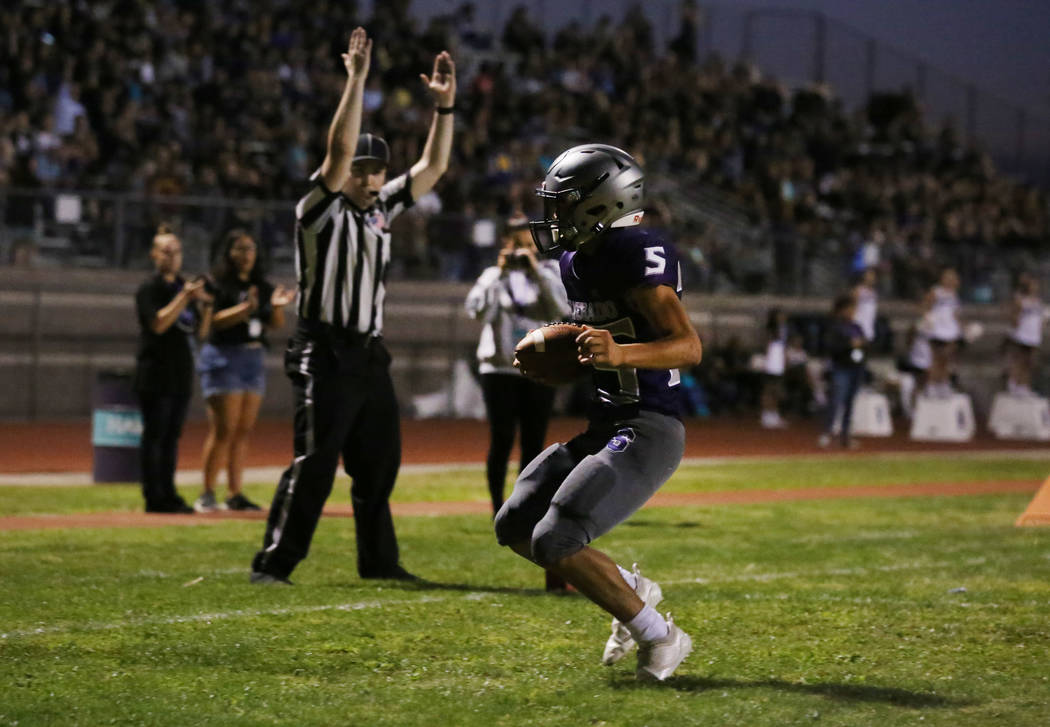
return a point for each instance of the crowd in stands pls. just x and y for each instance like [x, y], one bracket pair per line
[232, 99]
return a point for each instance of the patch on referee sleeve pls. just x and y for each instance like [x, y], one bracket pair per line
[621, 440]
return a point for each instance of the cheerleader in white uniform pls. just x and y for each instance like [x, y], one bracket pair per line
[773, 372]
[942, 306]
[866, 301]
[1026, 335]
[914, 366]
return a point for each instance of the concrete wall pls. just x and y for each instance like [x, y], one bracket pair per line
[58, 328]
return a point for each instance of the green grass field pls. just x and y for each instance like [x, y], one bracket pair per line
[931, 611]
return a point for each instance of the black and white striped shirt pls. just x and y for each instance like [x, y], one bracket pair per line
[342, 253]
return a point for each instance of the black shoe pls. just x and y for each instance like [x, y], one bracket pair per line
[259, 578]
[240, 502]
[397, 573]
[175, 507]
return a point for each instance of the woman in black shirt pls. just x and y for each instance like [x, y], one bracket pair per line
[170, 310]
[231, 364]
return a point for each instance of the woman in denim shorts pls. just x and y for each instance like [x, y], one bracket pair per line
[231, 363]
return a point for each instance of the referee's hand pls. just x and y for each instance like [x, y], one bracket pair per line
[441, 83]
[358, 54]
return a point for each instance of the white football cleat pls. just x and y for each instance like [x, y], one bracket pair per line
[621, 641]
[657, 660]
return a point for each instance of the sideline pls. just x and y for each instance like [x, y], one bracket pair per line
[190, 477]
[437, 509]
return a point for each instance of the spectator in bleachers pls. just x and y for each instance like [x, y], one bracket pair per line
[795, 159]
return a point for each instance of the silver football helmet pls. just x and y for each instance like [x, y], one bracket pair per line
[587, 188]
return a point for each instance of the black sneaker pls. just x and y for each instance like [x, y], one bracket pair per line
[397, 573]
[174, 507]
[240, 502]
[259, 578]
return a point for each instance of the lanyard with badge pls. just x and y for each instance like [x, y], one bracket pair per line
[521, 323]
[255, 325]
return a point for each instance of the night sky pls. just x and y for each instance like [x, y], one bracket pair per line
[1001, 45]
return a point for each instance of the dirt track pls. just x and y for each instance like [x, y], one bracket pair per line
[66, 447]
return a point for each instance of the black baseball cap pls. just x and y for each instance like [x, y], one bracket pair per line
[372, 147]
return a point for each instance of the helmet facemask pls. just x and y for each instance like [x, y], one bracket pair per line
[561, 229]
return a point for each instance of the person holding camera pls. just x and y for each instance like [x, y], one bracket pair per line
[519, 293]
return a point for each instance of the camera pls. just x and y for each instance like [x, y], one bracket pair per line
[517, 261]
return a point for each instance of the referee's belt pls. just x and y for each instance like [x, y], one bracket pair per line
[320, 329]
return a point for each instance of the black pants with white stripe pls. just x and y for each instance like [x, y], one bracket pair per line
[344, 406]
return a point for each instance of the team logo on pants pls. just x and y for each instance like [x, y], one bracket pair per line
[621, 440]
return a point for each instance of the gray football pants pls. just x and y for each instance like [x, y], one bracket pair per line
[575, 492]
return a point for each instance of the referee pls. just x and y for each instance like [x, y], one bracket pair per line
[339, 368]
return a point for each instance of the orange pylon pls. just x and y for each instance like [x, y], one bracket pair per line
[1038, 510]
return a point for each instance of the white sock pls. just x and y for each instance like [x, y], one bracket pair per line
[632, 581]
[648, 625]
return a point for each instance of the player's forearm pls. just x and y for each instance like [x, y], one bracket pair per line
[673, 352]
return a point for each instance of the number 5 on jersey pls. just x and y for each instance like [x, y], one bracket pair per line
[655, 263]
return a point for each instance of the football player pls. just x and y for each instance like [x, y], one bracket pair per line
[624, 284]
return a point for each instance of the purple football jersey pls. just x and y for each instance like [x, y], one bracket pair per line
[597, 285]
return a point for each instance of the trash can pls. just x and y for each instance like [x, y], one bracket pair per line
[116, 428]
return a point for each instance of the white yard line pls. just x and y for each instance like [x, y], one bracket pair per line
[857, 571]
[211, 617]
[227, 615]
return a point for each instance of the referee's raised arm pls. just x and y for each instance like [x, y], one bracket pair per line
[346, 124]
[441, 85]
